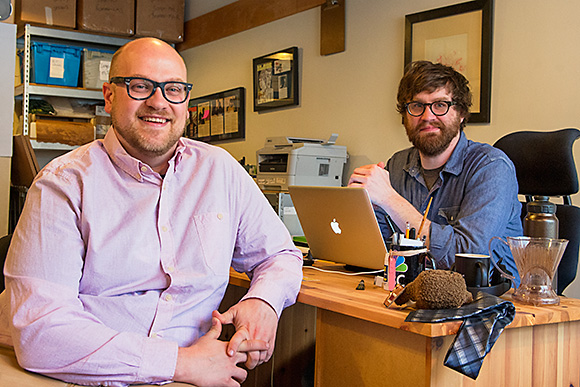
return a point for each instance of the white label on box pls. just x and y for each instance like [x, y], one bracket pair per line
[104, 67]
[56, 68]
[289, 211]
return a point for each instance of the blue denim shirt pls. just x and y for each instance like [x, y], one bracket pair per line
[474, 199]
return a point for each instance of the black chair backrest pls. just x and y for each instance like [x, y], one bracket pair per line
[544, 161]
[4, 244]
[545, 166]
[569, 228]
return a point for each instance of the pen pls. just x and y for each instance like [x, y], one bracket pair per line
[424, 216]
[407, 230]
[390, 223]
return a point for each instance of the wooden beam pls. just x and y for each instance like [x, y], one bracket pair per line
[239, 16]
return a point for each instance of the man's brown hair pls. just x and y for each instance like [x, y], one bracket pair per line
[426, 76]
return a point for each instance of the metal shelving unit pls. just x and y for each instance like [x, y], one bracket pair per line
[32, 33]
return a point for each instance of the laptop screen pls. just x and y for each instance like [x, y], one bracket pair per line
[339, 224]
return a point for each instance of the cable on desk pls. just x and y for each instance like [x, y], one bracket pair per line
[343, 273]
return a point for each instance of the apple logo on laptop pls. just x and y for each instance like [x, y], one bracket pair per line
[335, 227]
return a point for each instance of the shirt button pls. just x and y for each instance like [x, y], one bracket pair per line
[168, 297]
[170, 269]
[220, 216]
[143, 169]
[164, 229]
[154, 335]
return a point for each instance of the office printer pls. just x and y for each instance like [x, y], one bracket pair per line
[285, 161]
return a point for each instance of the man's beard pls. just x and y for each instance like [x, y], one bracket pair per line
[141, 142]
[432, 144]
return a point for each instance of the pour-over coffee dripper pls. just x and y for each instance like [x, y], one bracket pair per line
[537, 260]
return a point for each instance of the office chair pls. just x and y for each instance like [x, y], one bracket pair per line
[545, 167]
[4, 244]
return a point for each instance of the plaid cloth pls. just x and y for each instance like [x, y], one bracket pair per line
[483, 321]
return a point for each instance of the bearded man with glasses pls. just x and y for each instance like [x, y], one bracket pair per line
[472, 186]
[123, 250]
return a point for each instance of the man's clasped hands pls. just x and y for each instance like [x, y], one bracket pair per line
[204, 362]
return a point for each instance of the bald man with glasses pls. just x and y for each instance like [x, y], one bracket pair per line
[123, 250]
[472, 186]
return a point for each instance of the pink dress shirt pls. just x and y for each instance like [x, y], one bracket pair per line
[112, 267]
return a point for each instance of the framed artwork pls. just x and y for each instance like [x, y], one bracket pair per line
[276, 79]
[459, 36]
[217, 117]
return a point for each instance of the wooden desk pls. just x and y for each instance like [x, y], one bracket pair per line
[359, 342]
[353, 340]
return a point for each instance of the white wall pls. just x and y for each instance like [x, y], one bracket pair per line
[195, 8]
[535, 76]
[7, 62]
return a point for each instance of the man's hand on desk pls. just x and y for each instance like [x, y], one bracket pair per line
[255, 321]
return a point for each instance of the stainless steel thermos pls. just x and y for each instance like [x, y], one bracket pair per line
[541, 220]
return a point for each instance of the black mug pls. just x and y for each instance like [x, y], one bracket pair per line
[474, 268]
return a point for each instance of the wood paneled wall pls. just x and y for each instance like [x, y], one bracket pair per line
[239, 16]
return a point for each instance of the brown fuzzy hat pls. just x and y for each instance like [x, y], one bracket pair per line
[436, 289]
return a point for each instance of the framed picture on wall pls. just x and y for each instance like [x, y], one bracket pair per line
[217, 117]
[276, 79]
[459, 36]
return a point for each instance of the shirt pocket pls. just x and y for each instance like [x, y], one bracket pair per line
[449, 215]
[215, 238]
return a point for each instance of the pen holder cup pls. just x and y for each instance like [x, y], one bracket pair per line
[405, 265]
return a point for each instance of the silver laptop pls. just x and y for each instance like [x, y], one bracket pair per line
[340, 225]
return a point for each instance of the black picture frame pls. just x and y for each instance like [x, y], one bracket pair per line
[217, 117]
[460, 36]
[276, 80]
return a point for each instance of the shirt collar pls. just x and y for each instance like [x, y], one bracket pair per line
[454, 165]
[132, 166]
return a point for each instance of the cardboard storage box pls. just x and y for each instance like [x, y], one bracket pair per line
[18, 69]
[96, 65]
[160, 19]
[62, 131]
[60, 13]
[54, 64]
[115, 17]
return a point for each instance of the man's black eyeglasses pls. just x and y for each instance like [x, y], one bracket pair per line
[438, 108]
[143, 88]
